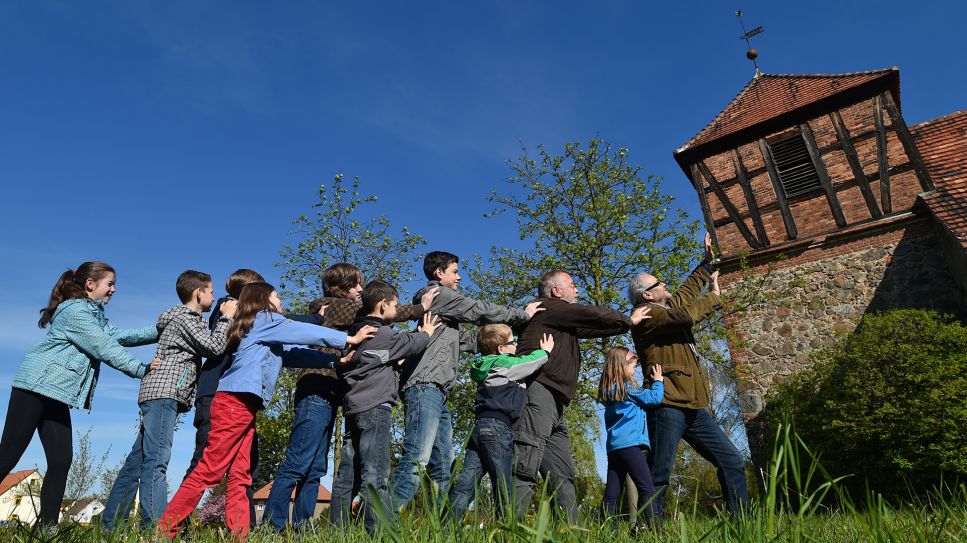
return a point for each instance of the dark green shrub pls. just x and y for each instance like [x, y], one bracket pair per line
[887, 404]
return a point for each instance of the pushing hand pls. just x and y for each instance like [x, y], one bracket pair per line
[640, 314]
[363, 334]
[547, 343]
[427, 299]
[430, 324]
[656, 373]
[228, 308]
[532, 309]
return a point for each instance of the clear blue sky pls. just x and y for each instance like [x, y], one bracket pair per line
[164, 136]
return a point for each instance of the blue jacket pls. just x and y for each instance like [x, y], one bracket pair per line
[215, 366]
[255, 365]
[66, 364]
[625, 421]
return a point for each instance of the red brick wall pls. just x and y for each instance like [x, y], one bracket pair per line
[812, 215]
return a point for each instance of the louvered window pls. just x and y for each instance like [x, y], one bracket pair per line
[796, 171]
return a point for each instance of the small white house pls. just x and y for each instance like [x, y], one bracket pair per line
[20, 496]
[83, 510]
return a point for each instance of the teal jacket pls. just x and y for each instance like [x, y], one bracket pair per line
[65, 365]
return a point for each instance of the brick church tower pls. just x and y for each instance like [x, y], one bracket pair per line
[819, 177]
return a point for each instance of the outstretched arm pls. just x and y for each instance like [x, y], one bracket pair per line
[453, 306]
[86, 334]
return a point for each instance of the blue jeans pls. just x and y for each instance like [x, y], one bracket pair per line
[427, 442]
[668, 425]
[491, 452]
[364, 467]
[306, 461]
[146, 468]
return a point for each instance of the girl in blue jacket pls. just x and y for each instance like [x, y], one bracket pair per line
[61, 372]
[627, 434]
[257, 342]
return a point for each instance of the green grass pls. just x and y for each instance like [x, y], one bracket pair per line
[791, 509]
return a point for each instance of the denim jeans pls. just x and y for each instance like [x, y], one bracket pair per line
[306, 461]
[146, 467]
[427, 442]
[491, 452]
[668, 425]
[543, 447]
[364, 467]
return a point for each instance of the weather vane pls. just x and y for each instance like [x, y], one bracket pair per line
[752, 53]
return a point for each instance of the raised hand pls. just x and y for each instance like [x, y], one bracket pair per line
[228, 308]
[656, 373]
[713, 282]
[430, 323]
[532, 309]
[362, 335]
[547, 343]
[640, 314]
[427, 299]
[709, 255]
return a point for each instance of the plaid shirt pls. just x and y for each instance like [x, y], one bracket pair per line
[184, 340]
[341, 313]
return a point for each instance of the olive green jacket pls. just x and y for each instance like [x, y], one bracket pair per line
[666, 338]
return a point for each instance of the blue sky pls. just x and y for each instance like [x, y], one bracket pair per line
[164, 136]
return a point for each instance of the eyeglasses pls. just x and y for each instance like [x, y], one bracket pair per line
[511, 342]
[653, 285]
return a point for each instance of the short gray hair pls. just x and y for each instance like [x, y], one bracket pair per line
[636, 287]
[548, 281]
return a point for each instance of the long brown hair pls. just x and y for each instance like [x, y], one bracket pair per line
[253, 299]
[612, 387]
[72, 284]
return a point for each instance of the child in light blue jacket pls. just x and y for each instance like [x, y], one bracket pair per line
[260, 342]
[61, 372]
[627, 434]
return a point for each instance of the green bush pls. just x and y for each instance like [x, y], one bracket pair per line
[886, 405]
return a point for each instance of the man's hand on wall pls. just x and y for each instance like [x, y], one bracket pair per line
[713, 283]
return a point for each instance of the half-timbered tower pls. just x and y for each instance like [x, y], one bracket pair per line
[818, 178]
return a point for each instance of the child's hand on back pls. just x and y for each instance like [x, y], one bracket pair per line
[656, 373]
[322, 310]
[532, 309]
[547, 343]
[228, 308]
[427, 299]
[362, 335]
[430, 324]
[640, 314]
[154, 364]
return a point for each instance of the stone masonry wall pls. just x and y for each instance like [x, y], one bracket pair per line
[828, 289]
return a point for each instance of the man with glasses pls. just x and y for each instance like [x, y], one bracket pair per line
[667, 339]
[541, 440]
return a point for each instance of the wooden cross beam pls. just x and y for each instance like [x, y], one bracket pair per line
[913, 154]
[842, 134]
[810, 140]
[791, 231]
[742, 176]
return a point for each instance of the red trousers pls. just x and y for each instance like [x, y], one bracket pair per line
[228, 451]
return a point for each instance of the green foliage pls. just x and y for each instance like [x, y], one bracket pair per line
[344, 230]
[886, 404]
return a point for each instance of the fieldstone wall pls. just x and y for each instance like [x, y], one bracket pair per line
[822, 293]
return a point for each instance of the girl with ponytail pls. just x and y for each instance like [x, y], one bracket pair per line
[61, 372]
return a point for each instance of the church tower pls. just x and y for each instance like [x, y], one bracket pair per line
[818, 178]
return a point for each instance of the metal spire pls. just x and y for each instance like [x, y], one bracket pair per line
[752, 53]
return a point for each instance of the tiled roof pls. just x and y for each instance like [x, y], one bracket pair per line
[263, 493]
[769, 95]
[79, 506]
[943, 144]
[14, 479]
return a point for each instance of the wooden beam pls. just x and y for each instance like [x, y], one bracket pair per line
[729, 208]
[881, 156]
[834, 207]
[703, 201]
[743, 178]
[791, 231]
[854, 163]
[913, 154]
